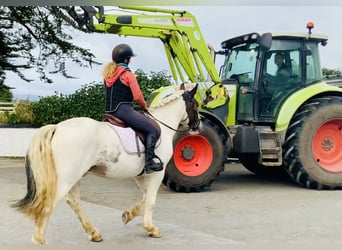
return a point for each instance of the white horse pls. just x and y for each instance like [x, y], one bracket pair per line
[60, 155]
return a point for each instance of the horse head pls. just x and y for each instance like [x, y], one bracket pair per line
[191, 106]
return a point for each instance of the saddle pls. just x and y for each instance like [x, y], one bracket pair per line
[120, 123]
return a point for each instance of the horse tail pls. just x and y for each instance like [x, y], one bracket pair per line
[41, 176]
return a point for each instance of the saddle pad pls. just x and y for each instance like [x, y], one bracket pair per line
[129, 140]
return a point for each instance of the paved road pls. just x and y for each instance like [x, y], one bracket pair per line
[239, 208]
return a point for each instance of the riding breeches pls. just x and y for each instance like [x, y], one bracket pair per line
[135, 119]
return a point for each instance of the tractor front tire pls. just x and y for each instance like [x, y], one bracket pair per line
[197, 159]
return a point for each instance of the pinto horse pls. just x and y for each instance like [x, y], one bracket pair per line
[60, 155]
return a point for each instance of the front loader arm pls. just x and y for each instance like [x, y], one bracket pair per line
[183, 41]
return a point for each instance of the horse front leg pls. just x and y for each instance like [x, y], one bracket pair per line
[135, 211]
[130, 214]
[152, 183]
[73, 200]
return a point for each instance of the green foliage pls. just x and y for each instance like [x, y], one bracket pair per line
[150, 82]
[85, 102]
[22, 114]
[50, 109]
[331, 73]
[5, 94]
[3, 118]
[88, 101]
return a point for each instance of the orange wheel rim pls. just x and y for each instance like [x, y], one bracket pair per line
[193, 155]
[327, 145]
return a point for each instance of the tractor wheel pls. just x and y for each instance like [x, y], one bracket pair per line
[197, 159]
[312, 148]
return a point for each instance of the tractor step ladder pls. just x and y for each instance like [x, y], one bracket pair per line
[271, 153]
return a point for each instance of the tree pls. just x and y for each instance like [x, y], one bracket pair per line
[34, 36]
[328, 73]
[152, 81]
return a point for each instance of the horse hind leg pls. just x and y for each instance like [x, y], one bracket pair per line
[41, 221]
[73, 200]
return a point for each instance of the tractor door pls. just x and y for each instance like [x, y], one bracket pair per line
[239, 69]
[281, 75]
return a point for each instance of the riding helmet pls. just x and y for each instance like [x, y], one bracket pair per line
[121, 52]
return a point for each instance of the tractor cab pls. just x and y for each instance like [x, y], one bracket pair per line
[265, 69]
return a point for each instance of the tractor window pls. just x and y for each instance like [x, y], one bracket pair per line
[281, 75]
[313, 67]
[283, 67]
[240, 64]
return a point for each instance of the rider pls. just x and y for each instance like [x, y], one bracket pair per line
[121, 90]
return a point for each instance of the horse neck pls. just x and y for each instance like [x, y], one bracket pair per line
[170, 113]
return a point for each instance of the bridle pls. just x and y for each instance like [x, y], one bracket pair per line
[191, 110]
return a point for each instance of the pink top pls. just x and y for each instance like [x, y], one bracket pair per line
[129, 79]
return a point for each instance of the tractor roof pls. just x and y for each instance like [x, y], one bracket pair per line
[230, 43]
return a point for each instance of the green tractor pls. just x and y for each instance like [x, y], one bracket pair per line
[268, 105]
[269, 121]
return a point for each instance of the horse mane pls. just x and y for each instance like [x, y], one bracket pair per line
[167, 99]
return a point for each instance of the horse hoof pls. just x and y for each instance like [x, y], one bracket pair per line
[153, 232]
[126, 217]
[38, 241]
[97, 238]
[155, 235]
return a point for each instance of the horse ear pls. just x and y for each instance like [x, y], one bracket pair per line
[193, 91]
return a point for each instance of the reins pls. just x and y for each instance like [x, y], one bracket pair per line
[188, 97]
[166, 125]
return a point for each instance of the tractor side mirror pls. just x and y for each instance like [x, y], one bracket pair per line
[266, 41]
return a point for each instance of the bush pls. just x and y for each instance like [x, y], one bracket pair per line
[87, 102]
[22, 114]
[50, 109]
[3, 118]
[151, 82]
[5, 93]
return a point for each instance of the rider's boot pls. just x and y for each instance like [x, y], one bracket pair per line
[152, 162]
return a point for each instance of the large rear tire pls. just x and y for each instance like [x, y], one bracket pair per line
[197, 159]
[313, 145]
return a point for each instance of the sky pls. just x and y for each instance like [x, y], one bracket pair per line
[217, 24]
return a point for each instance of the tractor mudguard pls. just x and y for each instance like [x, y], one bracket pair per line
[291, 105]
[214, 119]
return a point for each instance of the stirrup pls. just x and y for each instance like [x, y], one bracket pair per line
[152, 166]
